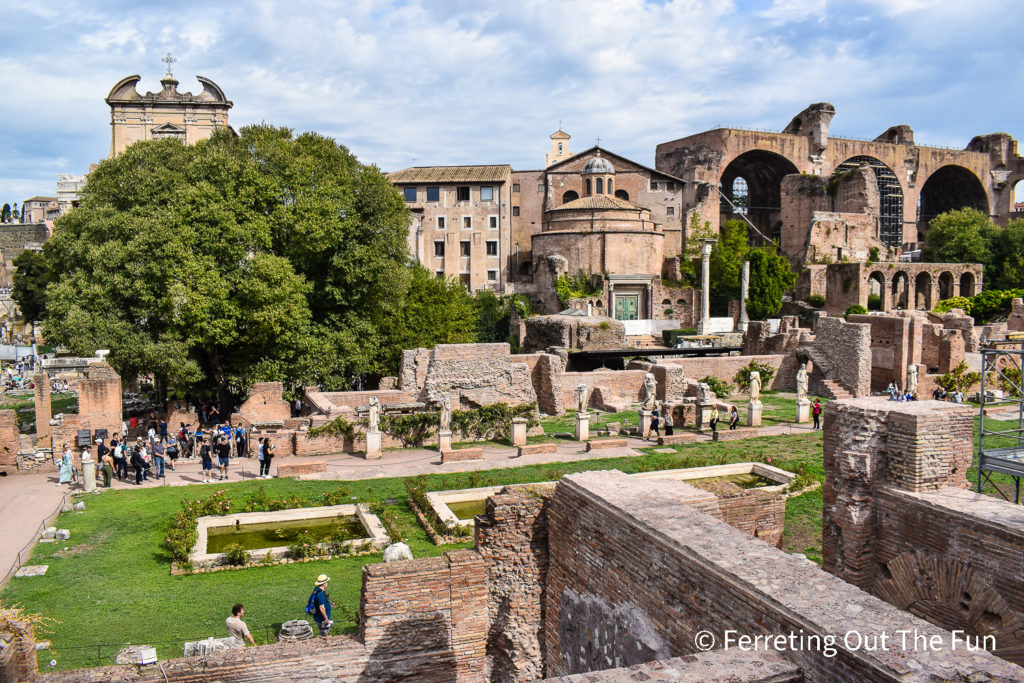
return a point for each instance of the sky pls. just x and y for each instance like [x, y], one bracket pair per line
[412, 82]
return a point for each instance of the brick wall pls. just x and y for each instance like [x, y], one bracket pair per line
[724, 367]
[843, 353]
[99, 399]
[10, 442]
[512, 539]
[264, 404]
[606, 389]
[436, 606]
[44, 410]
[755, 513]
[476, 375]
[634, 575]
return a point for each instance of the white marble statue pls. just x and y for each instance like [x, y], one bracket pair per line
[581, 398]
[446, 413]
[650, 391]
[755, 386]
[704, 393]
[911, 379]
[374, 420]
[801, 383]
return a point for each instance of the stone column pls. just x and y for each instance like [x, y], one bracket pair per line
[703, 415]
[705, 286]
[645, 424]
[803, 410]
[373, 445]
[582, 426]
[89, 473]
[444, 440]
[754, 414]
[43, 409]
[518, 431]
[744, 288]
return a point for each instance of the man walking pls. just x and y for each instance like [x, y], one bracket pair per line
[223, 456]
[321, 605]
[237, 627]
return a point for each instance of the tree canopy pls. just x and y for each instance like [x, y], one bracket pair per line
[969, 236]
[770, 278]
[29, 284]
[261, 256]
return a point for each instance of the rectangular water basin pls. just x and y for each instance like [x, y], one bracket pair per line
[215, 531]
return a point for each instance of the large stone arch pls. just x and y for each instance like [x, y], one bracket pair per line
[900, 290]
[890, 195]
[763, 172]
[877, 285]
[968, 284]
[923, 291]
[949, 187]
[948, 593]
[947, 285]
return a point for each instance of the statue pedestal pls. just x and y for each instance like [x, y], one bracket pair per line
[582, 426]
[803, 410]
[372, 445]
[754, 414]
[89, 473]
[518, 431]
[645, 424]
[704, 416]
[444, 440]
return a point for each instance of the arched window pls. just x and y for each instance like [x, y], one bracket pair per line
[569, 195]
[622, 194]
[609, 186]
[559, 147]
[588, 187]
[600, 186]
[740, 195]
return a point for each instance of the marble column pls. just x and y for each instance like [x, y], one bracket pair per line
[744, 288]
[703, 326]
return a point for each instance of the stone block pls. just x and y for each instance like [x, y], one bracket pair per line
[803, 411]
[461, 454]
[444, 440]
[63, 534]
[735, 434]
[31, 570]
[754, 414]
[200, 648]
[298, 469]
[373, 445]
[534, 448]
[598, 444]
[582, 426]
[79, 506]
[645, 424]
[295, 630]
[681, 437]
[519, 431]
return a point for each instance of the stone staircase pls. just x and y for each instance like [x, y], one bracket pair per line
[835, 390]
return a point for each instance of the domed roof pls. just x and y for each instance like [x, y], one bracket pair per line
[598, 165]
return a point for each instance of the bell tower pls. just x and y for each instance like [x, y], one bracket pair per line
[559, 147]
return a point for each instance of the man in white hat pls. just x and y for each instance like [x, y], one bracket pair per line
[321, 605]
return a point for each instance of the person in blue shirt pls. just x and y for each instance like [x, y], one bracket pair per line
[322, 605]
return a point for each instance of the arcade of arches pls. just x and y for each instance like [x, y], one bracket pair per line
[898, 285]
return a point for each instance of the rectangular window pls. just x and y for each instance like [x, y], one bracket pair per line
[492, 247]
[515, 187]
[671, 187]
[492, 275]
[441, 223]
[439, 274]
[465, 278]
[515, 210]
[467, 222]
[433, 194]
[464, 248]
[654, 186]
[410, 194]
[486, 193]
[439, 248]
[462, 194]
[492, 222]
[670, 210]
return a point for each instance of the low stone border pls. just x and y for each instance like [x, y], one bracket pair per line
[534, 448]
[180, 570]
[735, 434]
[461, 454]
[597, 444]
[807, 489]
[435, 538]
[684, 437]
[298, 469]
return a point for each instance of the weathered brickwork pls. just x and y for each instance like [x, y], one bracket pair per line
[264, 404]
[635, 572]
[17, 652]
[10, 442]
[842, 352]
[724, 368]
[44, 410]
[582, 333]
[717, 666]
[475, 375]
[462, 454]
[606, 389]
[905, 338]
[512, 539]
[300, 468]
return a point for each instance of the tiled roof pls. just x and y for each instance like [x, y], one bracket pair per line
[40, 199]
[452, 174]
[600, 201]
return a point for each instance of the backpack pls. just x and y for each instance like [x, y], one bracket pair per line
[310, 607]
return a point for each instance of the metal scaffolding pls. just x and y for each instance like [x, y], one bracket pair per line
[1001, 442]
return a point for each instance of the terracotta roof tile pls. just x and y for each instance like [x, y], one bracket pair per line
[601, 201]
[452, 174]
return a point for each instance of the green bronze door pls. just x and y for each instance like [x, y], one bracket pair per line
[627, 307]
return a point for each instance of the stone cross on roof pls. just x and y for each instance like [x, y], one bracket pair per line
[168, 60]
[599, 142]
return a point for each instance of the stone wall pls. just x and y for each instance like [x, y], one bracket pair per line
[606, 389]
[842, 351]
[581, 333]
[637, 569]
[724, 367]
[717, 666]
[10, 441]
[905, 338]
[899, 521]
[44, 409]
[264, 404]
[475, 375]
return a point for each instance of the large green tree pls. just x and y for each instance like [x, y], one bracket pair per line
[770, 278]
[240, 258]
[726, 265]
[960, 236]
[1007, 249]
[29, 284]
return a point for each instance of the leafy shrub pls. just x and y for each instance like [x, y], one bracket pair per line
[874, 302]
[302, 548]
[949, 304]
[718, 386]
[578, 286]
[856, 309]
[416, 487]
[339, 426]
[959, 379]
[873, 254]
[742, 376]
[604, 325]
[993, 301]
[413, 429]
[1009, 380]
[668, 311]
[235, 555]
[816, 300]
[493, 421]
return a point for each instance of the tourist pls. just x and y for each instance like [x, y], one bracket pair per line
[713, 418]
[101, 450]
[655, 418]
[159, 450]
[668, 422]
[939, 394]
[124, 429]
[734, 418]
[120, 458]
[268, 456]
[206, 455]
[107, 469]
[66, 464]
[259, 454]
[893, 391]
[958, 396]
[236, 627]
[297, 408]
[223, 456]
[241, 444]
[321, 605]
[163, 429]
[139, 464]
[172, 451]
